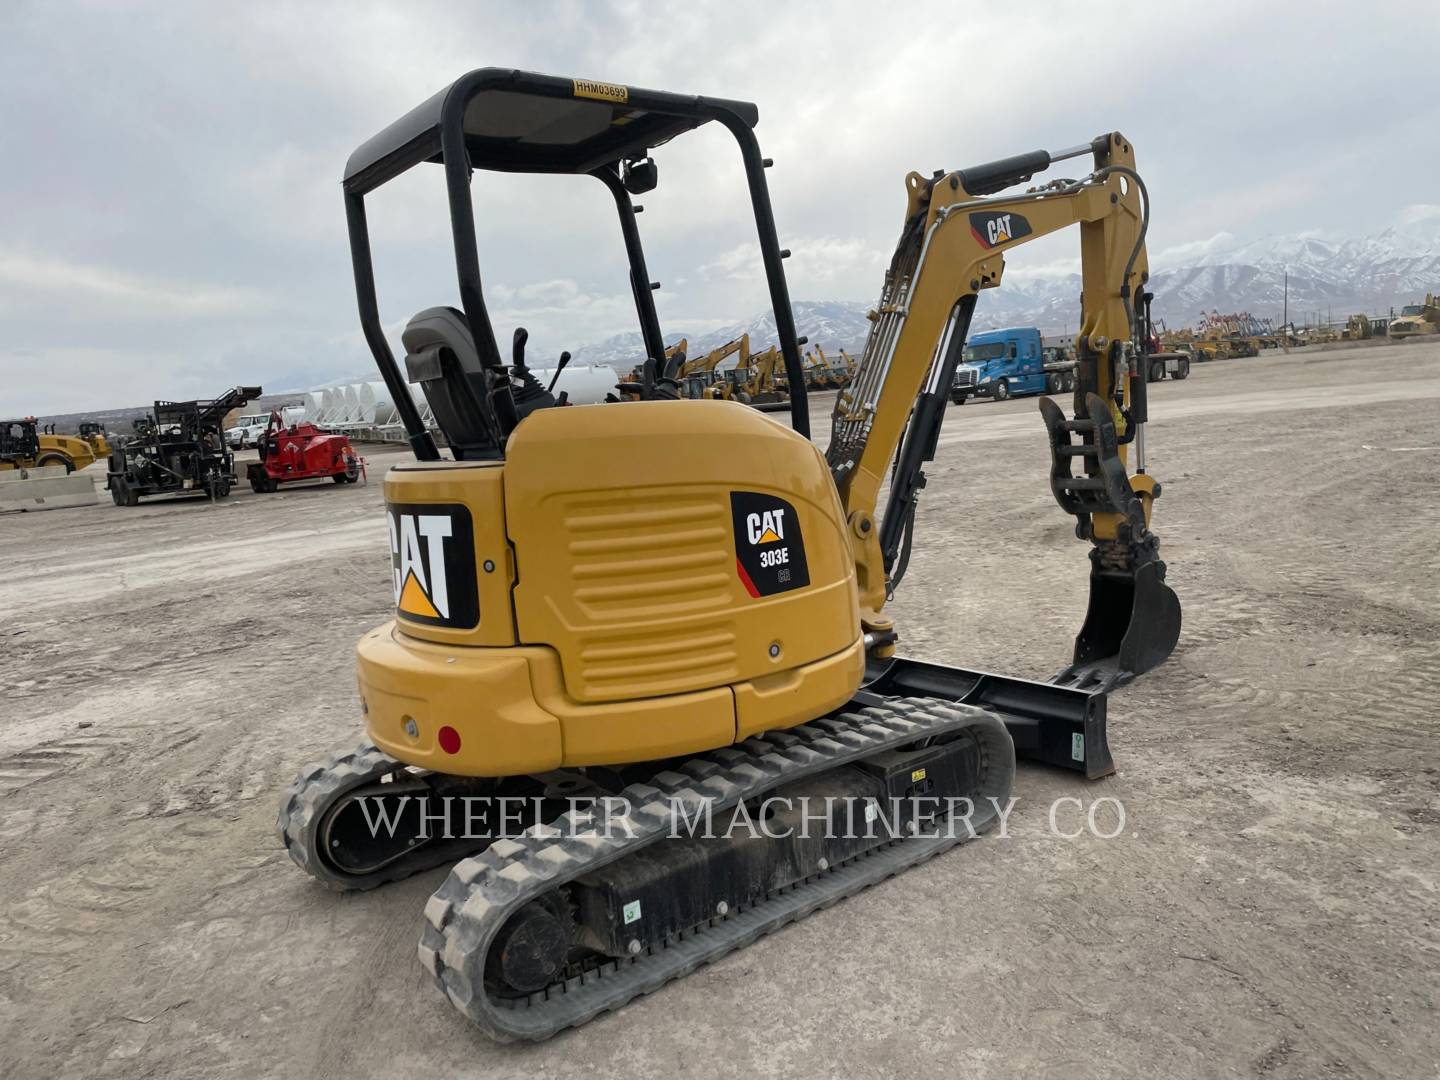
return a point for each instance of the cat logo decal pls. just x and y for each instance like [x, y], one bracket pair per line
[432, 560]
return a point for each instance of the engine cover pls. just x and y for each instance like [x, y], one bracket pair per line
[635, 581]
[675, 545]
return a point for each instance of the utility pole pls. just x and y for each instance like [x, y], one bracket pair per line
[1287, 296]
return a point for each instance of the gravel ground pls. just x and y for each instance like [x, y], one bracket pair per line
[1269, 907]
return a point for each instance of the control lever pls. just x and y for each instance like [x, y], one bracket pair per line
[525, 389]
[564, 359]
[517, 347]
[667, 385]
[656, 380]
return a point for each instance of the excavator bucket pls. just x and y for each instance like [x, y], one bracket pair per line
[1131, 625]
[1133, 620]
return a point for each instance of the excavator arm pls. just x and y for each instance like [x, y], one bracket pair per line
[763, 371]
[704, 365]
[818, 372]
[957, 235]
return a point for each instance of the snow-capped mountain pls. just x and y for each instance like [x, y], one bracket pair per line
[622, 350]
[831, 324]
[1335, 278]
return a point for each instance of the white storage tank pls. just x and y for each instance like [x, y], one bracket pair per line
[351, 396]
[375, 404]
[586, 385]
[422, 403]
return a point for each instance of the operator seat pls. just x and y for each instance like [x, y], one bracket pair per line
[439, 339]
[436, 340]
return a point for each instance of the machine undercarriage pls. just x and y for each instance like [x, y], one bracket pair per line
[612, 893]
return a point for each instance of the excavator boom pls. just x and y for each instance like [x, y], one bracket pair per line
[954, 245]
[704, 365]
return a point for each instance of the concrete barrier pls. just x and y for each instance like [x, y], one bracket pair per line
[46, 488]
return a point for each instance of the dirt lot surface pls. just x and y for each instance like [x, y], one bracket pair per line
[1269, 909]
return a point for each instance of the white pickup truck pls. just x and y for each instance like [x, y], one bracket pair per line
[246, 430]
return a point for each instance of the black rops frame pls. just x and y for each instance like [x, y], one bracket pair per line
[434, 131]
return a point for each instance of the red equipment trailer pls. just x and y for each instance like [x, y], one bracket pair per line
[301, 452]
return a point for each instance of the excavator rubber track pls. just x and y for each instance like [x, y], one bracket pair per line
[467, 913]
[305, 815]
[312, 794]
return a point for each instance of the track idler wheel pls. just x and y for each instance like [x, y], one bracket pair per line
[353, 821]
[531, 949]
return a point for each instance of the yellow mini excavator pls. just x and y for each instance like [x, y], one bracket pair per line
[819, 375]
[764, 385]
[613, 621]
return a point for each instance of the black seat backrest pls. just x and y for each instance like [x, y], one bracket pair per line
[435, 340]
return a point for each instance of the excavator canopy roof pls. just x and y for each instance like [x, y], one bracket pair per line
[520, 121]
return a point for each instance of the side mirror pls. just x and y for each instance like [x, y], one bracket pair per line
[639, 175]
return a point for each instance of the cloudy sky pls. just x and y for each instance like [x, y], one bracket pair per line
[170, 211]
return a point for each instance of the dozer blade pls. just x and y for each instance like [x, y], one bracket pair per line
[1054, 724]
[1131, 625]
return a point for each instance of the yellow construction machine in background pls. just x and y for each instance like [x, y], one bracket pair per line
[1358, 328]
[24, 446]
[1417, 320]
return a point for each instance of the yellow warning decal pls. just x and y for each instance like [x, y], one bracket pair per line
[601, 91]
[414, 600]
[768, 537]
[917, 776]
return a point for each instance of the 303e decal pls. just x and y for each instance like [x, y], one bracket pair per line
[769, 547]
